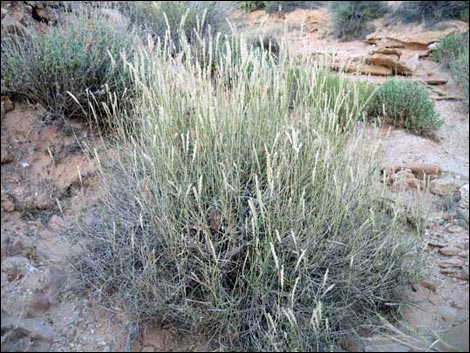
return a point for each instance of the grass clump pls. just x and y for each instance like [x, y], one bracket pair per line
[405, 104]
[244, 212]
[253, 5]
[452, 53]
[459, 70]
[81, 56]
[431, 11]
[450, 48]
[350, 18]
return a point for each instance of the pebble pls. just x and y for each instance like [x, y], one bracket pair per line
[451, 263]
[436, 244]
[455, 229]
[429, 285]
[449, 251]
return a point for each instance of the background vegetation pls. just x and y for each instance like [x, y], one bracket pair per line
[406, 104]
[82, 56]
[351, 18]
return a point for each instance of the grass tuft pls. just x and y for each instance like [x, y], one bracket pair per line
[406, 104]
[243, 211]
[82, 56]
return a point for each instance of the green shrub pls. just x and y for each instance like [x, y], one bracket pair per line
[451, 48]
[459, 70]
[350, 18]
[239, 215]
[253, 5]
[430, 11]
[452, 53]
[82, 56]
[405, 104]
[464, 15]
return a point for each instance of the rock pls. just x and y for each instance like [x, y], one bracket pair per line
[56, 223]
[12, 23]
[464, 214]
[429, 285]
[390, 62]
[425, 54]
[6, 155]
[30, 327]
[451, 263]
[419, 170]
[464, 197]
[317, 22]
[388, 51]
[443, 186]
[409, 39]
[449, 251]
[363, 69]
[404, 180]
[42, 14]
[413, 63]
[463, 276]
[39, 302]
[455, 229]
[448, 313]
[436, 244]
[71, 171]
[435, 81]
[7, 104]
[15, 267]
[7, 202]
[433, 299]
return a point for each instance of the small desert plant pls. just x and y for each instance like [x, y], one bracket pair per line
[81, 56]
[253, 5]
[234, 213]
[350, 18]
[405, 104]
[451, 48]
[452, 53]
[430, 11]
[459, 70]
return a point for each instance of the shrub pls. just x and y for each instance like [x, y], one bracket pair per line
[430, 11]
[452, 52]
[405, 104]
[235, 214]
[82, 56]
[253, 5]
[450, 49]
[350, 18]
[459, 70]
[191, 18]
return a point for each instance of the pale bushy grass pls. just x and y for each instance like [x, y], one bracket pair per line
[241, 208]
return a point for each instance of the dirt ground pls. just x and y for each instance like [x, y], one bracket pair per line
[48, 179]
